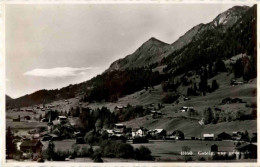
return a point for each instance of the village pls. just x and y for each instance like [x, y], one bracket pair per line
[53, 128]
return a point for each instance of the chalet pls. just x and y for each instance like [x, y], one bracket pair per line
[186, 98]
[110, 132]
[246, 151]
[254, 138]
[236, 136]
[46, 137]
[160, 132]
[117, 133]
[141, 132]
[32, 146]
[119, 107]
[120, 127]
[62, 119]
[224, 136]
[186, 109]
[208, 136]
[29, 109]
[16, 119]
[177, 135]
[36, 136]
[27, 117]
[44, 120]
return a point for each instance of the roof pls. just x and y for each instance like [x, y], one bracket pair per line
[120, 107]
[243, 146]
[159, 130]
[109, 131]
[208, 135]
[62, 116]
[30, 143]
[119, 125]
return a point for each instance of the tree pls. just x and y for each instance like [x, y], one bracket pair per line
[208, 116]
[214, 85]
[220, 66]
[97, 157]
[143, 153]
[50, 152]
[10, 145]
[238, 68]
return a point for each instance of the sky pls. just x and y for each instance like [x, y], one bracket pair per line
[50, 46]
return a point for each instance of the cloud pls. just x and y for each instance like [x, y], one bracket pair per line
[58, 72]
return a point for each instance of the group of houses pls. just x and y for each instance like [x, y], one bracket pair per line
[120, 130]
[236, 136]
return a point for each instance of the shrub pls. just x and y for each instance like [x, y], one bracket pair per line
[143, 153]
[60, 155]
[97, 156]
[124, 150]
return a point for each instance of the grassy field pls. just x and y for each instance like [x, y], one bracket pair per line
[171, 150]
[65, 145]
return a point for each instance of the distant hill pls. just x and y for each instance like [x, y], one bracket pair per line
[8, 98]
[230, 33]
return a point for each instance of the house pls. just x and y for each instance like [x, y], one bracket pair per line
[120, 127]
[119, 107]
[160, 133]
[246, 151]
[27, 117]
[208, 136]
[33, 147]
[236, 136]
[254, 137]
[110, 132]
[36, 136]
[177, 135]
[141, 132]
[62, 119]
[224, 136]
[16, 120]
[29, 109]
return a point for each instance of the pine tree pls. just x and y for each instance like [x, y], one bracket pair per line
[10, 145]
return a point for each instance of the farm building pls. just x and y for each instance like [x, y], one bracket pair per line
[208, 136]
[32, 146]
[224, 136]
[246, 150]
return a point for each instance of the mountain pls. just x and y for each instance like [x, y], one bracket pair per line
[154, 50]
[229, 34]
[150, 52]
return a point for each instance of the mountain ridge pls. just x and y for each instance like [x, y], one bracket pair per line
[151, 52]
